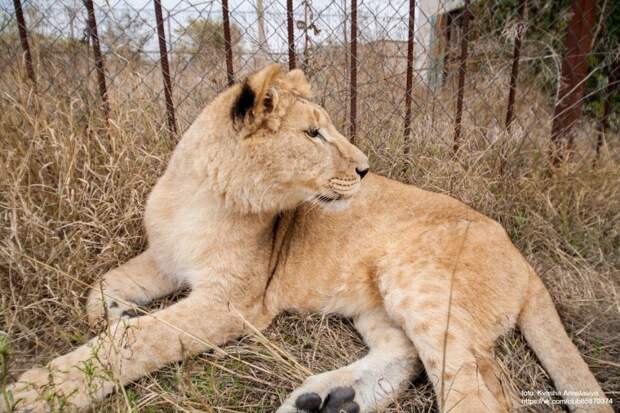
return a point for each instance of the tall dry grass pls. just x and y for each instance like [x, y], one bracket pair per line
[72, 195]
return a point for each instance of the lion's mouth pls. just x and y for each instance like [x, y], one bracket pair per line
[327, 199]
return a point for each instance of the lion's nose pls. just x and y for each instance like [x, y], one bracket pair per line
[362, 172]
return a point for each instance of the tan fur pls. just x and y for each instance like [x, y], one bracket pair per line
[236, 218]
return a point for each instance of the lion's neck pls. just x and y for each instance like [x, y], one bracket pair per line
[197, 236]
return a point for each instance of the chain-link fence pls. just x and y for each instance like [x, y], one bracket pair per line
[386, 70]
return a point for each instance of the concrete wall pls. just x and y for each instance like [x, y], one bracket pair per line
[428, 60]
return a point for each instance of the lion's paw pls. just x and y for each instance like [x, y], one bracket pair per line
[41, 390]
[121, 310]
[338, 400]
[23, 400]
[110, 310]
[349, 390]
[29, 394]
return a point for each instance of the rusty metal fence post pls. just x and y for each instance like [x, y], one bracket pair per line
[516, 55]
[227, 43]
[165, 68]
[462, 67]
[23, 37]
[578, 43]
[409, 81]
[447, 55]
[292, 63]
[612, 86]
[99, 65]
[353, 78]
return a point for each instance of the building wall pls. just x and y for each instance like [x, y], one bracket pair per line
[429, 45]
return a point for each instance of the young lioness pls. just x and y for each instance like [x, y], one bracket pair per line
[266, 207]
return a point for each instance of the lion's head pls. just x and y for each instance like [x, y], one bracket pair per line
[271, 148]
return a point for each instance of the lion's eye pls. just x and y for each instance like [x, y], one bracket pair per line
[314, 133]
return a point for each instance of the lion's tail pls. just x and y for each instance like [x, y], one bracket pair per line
[540, 324]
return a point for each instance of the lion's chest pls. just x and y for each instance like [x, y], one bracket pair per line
[197, 243]
[325, 268]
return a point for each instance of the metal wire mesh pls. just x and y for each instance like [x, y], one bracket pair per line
[474, 52]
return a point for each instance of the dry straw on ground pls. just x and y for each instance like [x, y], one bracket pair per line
[72, 198]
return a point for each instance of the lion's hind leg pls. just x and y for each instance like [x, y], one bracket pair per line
[122, 290]
[457, 356]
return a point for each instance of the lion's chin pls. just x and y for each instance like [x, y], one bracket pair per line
[336, 205]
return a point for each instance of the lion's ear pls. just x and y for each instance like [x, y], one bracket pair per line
[256, 97]
[296, 80]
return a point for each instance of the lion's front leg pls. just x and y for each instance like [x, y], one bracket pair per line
[122, 290]
[130, 349]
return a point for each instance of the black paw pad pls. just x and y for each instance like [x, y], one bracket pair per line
[308, 401]
[340, 400]
[130, 313]
[350, 407]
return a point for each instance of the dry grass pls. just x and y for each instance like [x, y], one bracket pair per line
[72, 198]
